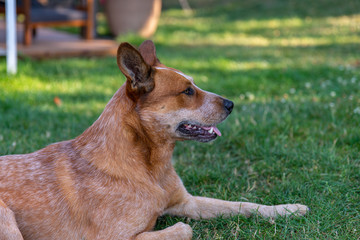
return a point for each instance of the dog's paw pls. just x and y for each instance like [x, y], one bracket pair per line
[184, 231]
[283, 210]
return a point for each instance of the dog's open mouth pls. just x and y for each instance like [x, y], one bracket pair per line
[199, 133]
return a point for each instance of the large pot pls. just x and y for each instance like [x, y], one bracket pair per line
[133, 16]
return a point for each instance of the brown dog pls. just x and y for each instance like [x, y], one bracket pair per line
[116, 179]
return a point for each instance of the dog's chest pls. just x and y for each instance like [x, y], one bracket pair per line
[123, 211]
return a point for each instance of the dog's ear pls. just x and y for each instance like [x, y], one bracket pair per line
[138, 73]
[148, 52]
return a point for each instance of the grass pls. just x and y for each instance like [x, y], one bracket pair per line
[293, 70]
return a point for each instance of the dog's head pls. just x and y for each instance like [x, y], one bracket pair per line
[168, 101]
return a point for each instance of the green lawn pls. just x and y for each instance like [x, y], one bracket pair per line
[293, 70]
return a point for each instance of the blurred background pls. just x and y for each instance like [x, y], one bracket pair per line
[292, 68]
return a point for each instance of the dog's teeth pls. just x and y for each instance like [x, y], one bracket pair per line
[211, 130]
[194, 127]
[189, 126]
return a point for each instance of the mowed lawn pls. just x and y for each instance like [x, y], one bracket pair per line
[292, 69]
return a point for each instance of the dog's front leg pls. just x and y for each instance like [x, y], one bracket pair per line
[202, 207]
[179, 231]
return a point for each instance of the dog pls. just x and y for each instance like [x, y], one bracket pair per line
[116, 178]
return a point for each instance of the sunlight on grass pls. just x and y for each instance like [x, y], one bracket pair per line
[274, 32]
[319, 41]
[352, 21]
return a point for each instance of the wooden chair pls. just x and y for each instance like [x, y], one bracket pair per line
[76, 13]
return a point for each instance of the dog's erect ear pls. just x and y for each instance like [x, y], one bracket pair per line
[148, 52]
[137, 72]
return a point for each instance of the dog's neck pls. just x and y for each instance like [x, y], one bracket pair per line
[118, 144]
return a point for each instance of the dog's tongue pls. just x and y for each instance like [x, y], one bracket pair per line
[216, 130]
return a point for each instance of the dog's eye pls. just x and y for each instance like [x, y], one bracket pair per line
[189, 91]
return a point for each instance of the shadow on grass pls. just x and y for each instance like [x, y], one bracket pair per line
[207, 52]
[26, 128]
[90, 70]
[267, 69]
[21, 120]
[297, 30]
[258, 9]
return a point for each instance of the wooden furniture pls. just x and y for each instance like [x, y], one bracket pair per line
[76, 13]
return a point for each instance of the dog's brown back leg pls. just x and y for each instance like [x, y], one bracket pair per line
[179, 231]
[8, 226]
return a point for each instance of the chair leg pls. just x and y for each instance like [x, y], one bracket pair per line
[89, 32]
[34, 32]
[27, 35]
[83, 32]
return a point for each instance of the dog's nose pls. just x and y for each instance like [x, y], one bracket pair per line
[229, 105]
